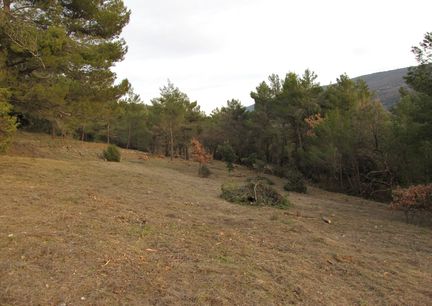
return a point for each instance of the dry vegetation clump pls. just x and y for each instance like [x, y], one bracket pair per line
[412, 200]
[312, 122]
[143, 156]
[255, 194]
[202, 157]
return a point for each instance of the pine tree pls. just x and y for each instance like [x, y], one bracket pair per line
[59, 53]
[412, 124]
[172, 108]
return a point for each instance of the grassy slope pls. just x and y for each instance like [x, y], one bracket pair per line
[77, 230]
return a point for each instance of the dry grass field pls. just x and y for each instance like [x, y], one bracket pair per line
[76, 230]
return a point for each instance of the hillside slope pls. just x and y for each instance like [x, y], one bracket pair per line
[386, 85]
[75, 230]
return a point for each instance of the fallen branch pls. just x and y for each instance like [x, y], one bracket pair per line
[326, 220]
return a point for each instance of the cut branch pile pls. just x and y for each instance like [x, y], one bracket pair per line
[256, 194]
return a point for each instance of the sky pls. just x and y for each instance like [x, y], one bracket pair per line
[217, 50]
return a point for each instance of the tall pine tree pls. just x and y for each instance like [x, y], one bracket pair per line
[59, 53]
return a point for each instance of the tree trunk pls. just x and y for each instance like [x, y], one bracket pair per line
[108, 133]
[375, 134]
[166, 146]
[358, 178]
[171, 142]
[299, 136]
[53, 131]
[129, 137]
[154, 145]
[187, 152]
[340, 173]
[355, 184]
[282, 158]
[82, 133]
[350, 182]
[267, 151]
[6, 5]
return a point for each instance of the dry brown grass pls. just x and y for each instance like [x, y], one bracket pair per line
[81, 231]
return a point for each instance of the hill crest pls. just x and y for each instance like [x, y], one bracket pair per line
[385, 84]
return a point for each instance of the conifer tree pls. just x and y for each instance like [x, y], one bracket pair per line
[412, 130]
[59, 53]
[172, 109]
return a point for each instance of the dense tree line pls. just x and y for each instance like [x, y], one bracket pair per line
[338, 136]
[55, 76]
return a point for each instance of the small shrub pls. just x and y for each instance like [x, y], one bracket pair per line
[204, 171]
[249, 161]
[255, 194]
[412, 200]
[283, 171]
[112, 154]
[279, 171]
[228, 155]
[261, 166]
[295, 182]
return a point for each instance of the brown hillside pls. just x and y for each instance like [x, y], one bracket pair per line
[75, 230]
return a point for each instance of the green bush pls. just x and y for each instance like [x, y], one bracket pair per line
[249, 161]
[204, 171]
[227, 153]
[295, 182]
[112, 154]
[281, 171]
[261, 166]
[255, 194]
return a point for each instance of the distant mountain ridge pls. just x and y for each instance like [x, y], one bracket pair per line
[385, 84]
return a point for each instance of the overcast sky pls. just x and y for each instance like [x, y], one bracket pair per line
[222, 49]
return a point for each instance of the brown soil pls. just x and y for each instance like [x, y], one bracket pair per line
[75, 230]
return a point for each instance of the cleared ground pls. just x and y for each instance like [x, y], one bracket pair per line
[76, 230]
